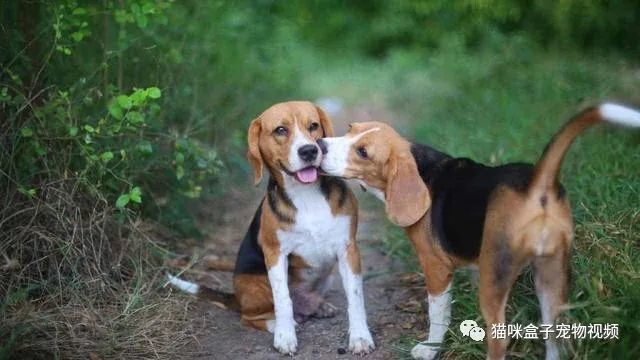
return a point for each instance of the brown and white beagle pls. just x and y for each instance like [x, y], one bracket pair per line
[458, 212]
[305, 225]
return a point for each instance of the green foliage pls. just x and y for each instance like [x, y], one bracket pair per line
[123, 95]
[378, 27]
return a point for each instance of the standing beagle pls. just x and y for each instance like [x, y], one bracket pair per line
[303, 227]
[458, 212]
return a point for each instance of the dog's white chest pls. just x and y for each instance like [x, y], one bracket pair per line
[317, 235]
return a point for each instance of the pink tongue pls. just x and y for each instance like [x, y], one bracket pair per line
[307, 175]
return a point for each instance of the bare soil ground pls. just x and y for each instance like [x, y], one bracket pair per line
[393, 297]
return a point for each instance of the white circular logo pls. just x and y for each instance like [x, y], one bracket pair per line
[466, 326]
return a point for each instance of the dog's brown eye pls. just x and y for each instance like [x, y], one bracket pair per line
[281, 130]
[314, 126]
[362, 152]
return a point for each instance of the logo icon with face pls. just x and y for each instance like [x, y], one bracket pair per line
[477, 334]
[466, 326]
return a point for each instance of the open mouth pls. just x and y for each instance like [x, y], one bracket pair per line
[307, 175]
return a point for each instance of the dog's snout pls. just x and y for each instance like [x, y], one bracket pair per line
[308, 152]
[323, 146]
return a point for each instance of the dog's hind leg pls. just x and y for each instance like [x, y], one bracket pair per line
[326, 309]
[499, 265]
[256, 302]
[552, 288]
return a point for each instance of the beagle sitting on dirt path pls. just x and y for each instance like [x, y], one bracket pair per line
[303, 227]
[458, 212]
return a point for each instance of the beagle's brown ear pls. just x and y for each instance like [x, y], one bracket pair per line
[253, 154]
[407, 198]
[325, 122]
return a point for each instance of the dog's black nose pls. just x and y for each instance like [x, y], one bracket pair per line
[323, 146]
[308, 153]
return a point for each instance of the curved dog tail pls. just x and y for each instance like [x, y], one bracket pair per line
[225, 299]
[545, 175]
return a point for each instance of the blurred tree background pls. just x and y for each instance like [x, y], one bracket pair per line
[138, 108]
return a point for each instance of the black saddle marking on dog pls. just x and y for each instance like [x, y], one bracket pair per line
[250, 259]
[461, 190]
[276, 194]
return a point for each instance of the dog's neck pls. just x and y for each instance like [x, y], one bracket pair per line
[279, 189]
[429, 161]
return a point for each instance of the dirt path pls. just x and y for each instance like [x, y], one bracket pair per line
[392, 296]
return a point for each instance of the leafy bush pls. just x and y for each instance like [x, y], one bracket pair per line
[134, 98]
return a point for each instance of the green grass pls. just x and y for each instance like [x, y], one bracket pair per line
[503, 104]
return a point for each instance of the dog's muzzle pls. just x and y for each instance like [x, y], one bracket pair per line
[308, 153]
[323, 146]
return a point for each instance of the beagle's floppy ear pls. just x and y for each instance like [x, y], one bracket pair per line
[325, 122]
[406, 197]
[253, 154]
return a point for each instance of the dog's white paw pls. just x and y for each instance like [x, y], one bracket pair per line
[285, 341]
[424, 352]
[361, 344]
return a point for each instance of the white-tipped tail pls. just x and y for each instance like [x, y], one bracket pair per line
[619, 114]
[183, 285]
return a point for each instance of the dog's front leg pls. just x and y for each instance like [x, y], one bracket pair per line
[284, 333]
[360, 340]
[439, 319]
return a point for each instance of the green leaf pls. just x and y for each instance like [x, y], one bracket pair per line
[136, 195]
[122, 16]
[154, 92]
[145, 147]
[41, 151]
[193, 192]
[138, 97]
[28, 192]
[26, 132]
[124, 101]
[106, 156]
[142, 20]
[73, 131]
[77, 36]
[179, 172]
[148, 8]
[135, 117]
[115, 110]
[88, 128]
[122, 201]
[79, 11]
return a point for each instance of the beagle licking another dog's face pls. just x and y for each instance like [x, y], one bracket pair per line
[381, 160]
[458, 212]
